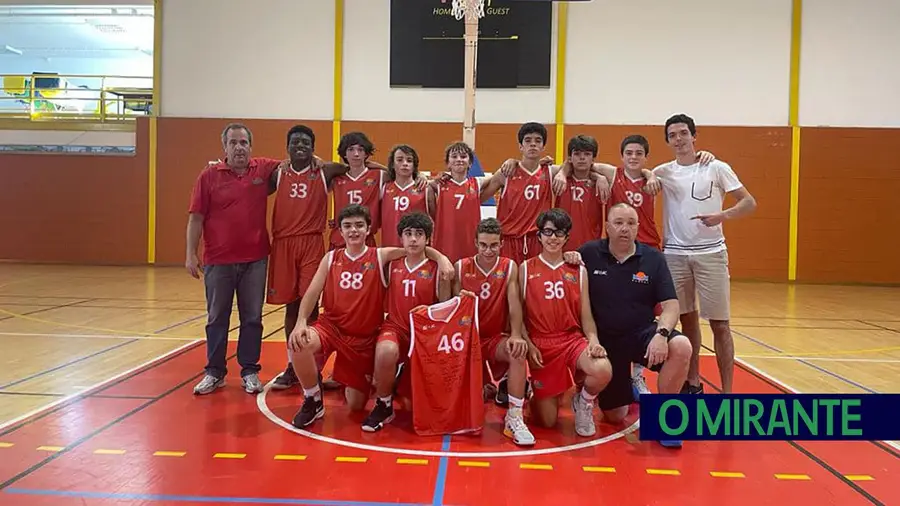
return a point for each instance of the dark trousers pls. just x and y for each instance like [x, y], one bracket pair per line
[248, 281]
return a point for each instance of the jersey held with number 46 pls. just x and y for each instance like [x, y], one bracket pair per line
[445, 363]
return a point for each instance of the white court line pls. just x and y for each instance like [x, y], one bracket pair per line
[264, 408]
[821, 359]
[150, 337]
[96, 386]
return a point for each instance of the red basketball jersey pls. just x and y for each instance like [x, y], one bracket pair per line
[525, 195]
[395, 203]
[490, 287]
[301, 203]
[410, 286]
[456, 217]
[445, 363]
[365, 190]
[354, 292]
[581, 202]
[552, 297]
[630, 191]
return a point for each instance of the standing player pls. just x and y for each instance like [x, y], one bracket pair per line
[412, 281]
[695, 243]
[298, 224]
[559, 322]
[526, 193]
[455, 202]
[402, 195]
[351, 282]
[361, 185]
[581, 200]
[494, 280]
[445, 356]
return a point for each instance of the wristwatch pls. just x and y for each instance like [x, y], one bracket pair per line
[663, 332]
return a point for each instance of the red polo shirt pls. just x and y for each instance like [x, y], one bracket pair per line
[234, 212]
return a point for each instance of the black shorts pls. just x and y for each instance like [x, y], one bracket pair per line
[622, 352]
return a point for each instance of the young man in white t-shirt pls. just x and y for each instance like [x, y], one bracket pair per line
[694, 243]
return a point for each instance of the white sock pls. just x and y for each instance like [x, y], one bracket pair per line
[586, 396]
[389, 400]
[313, 392]
[516, 402]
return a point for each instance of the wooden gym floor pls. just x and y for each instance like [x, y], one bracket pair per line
[98, 364]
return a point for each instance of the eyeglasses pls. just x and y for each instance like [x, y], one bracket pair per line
[547, 232]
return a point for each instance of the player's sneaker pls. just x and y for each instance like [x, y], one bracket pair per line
[311, 410]
[502, 397]
[687, 388]
[208, 385]
[251, 383]
[516, 430]
[381, 415]
[286, 379]
[639, 386]
[584, 416]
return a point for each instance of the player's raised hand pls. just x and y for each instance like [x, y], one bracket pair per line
[422, 181]
[573, 257]
[595, 350]
[653, 186]
[508, 167]
[559, 183]
[446, 269]
[602, 186]
[705, 157]
[546, 160]
[517, 347]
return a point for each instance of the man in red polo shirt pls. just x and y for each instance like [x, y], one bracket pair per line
[228, 208]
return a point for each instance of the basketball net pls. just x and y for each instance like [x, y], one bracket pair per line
[462, 7]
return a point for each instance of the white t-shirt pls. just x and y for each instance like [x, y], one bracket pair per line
[688, 191]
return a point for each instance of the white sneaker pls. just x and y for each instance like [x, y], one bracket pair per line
[516, 429]
[584, 416]
[251, 383]
[208, 385]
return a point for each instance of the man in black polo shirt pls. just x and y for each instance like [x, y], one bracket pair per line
[626, 280]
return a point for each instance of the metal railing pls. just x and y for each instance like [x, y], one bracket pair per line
[48, 97]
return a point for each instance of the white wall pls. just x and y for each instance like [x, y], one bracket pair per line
[368, 95]
[234, 58]
[636, 62]
[850, 63]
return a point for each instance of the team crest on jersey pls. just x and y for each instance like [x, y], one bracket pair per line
[312, 175]
[369, 182]
[641, 278]
[368, 266]
[499, 274]
[465, 321]
[425, 274]
[568, 276]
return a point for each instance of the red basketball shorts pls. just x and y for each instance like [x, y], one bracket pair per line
[292, 266]
[399, 335]
[560, 357]
[355, 355]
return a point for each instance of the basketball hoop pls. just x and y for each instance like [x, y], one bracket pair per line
[462, 7]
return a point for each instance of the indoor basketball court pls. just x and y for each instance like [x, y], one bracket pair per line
[99, 410]
[102, 331]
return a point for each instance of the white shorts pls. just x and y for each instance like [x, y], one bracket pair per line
[705, 275]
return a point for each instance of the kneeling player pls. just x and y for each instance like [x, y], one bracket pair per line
[560, 324]
[494, 280]
[353, 282]
[412, 281]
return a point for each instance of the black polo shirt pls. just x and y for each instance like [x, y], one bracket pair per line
[624, 295]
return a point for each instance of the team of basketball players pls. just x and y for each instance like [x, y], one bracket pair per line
[442, 268]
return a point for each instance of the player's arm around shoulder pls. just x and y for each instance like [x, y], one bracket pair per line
[492, 184]
[457, 278]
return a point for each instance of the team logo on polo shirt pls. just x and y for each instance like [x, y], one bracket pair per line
[640, 277]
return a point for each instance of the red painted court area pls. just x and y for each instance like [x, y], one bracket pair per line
[145, 439]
